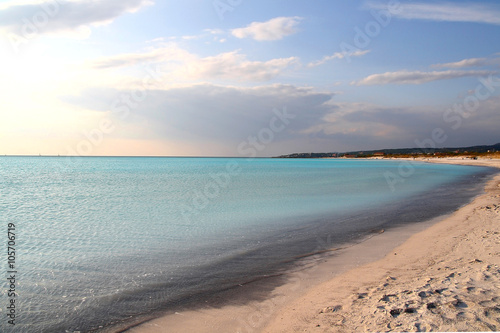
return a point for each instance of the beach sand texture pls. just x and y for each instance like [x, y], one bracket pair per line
[445, 278]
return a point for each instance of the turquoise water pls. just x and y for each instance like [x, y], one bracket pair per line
[100, 240]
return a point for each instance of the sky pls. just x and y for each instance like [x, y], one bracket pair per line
[246, 78]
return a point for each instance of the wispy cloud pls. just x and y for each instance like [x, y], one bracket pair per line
[162, 54]
[417, 77]
[445, 11]
[215, 35]
[274, 29]
[337, 55]
[471, 62]
[232, 66]
[63, 15]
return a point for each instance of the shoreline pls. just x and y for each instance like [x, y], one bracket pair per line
[289, 307]
[444, 278]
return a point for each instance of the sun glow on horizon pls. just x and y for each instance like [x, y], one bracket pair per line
[206, 87]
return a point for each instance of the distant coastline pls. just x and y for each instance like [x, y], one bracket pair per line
[471, 152]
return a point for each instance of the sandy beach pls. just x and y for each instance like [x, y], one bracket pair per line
[445, 278]
[440, 275]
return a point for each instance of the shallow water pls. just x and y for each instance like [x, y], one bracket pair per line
[100, 240]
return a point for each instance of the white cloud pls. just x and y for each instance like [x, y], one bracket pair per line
[214, 31]
[337, 55]
[472, 62]
[274, 29]
[156, 40]
[29, 18]
[236, 66]
[417, 77]
[446, 11]
[209, 35]
[191, 37]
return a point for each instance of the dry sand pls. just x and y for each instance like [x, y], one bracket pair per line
[430, 276]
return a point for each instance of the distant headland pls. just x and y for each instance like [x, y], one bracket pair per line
[474, 151]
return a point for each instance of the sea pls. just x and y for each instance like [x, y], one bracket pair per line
[92, 242]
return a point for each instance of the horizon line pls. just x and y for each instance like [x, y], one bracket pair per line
[194, 156]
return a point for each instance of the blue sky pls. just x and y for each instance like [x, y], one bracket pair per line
[238, 77]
